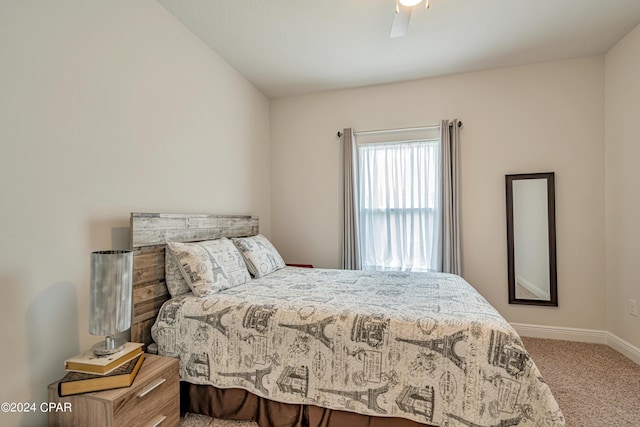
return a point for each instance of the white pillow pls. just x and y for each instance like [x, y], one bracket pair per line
[210, 266]
[260, 255]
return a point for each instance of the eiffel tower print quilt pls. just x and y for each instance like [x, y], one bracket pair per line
[422, 346]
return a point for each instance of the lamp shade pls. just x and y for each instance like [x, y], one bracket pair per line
[111, 287]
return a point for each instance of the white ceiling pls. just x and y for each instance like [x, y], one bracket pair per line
[288, 47]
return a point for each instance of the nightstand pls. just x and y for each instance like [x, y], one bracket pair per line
[152, 400]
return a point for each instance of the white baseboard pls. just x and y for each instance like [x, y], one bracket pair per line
[558, 333]
[624, 347]
[581, 335]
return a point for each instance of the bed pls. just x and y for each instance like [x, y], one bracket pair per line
[291, 346]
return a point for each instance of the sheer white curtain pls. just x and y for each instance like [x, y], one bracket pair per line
[399, 195]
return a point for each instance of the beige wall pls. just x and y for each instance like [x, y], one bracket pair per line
[622, 185]
[536, 118]
[105, 108]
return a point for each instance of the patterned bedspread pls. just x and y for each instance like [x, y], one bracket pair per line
[423, 346]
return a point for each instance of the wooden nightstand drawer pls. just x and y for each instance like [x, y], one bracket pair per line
[145, 398]
[150, 415]
[152, 399]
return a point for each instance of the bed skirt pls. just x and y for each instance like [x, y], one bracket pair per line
[241, 405]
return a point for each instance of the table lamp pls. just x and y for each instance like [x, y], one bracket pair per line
[110, 298]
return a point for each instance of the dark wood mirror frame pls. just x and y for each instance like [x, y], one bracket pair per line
[551, 222]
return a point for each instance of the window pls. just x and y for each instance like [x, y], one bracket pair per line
[398, 204]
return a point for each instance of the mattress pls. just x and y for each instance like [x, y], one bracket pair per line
[421, 346]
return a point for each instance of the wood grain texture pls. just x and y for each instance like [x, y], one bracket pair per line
[149, 234]
[124, 406]
[149, 229]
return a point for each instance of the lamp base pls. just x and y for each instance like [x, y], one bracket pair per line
[110, 345]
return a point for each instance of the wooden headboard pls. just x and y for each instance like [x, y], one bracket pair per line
[149, 234]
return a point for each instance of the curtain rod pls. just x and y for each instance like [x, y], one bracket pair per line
[379, 131]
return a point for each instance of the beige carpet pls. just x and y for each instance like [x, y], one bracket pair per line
[594, 385]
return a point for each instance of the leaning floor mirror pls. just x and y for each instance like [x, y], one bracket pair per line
[531, 239]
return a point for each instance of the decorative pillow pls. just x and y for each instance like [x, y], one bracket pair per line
[210, 266]
[230, 259]
[173, 276]
[260, 255]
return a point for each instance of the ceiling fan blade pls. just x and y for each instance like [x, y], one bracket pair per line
[400, 25]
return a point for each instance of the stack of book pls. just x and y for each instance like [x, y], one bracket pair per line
[88, 372]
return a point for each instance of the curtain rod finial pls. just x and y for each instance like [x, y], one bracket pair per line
[339, 134]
